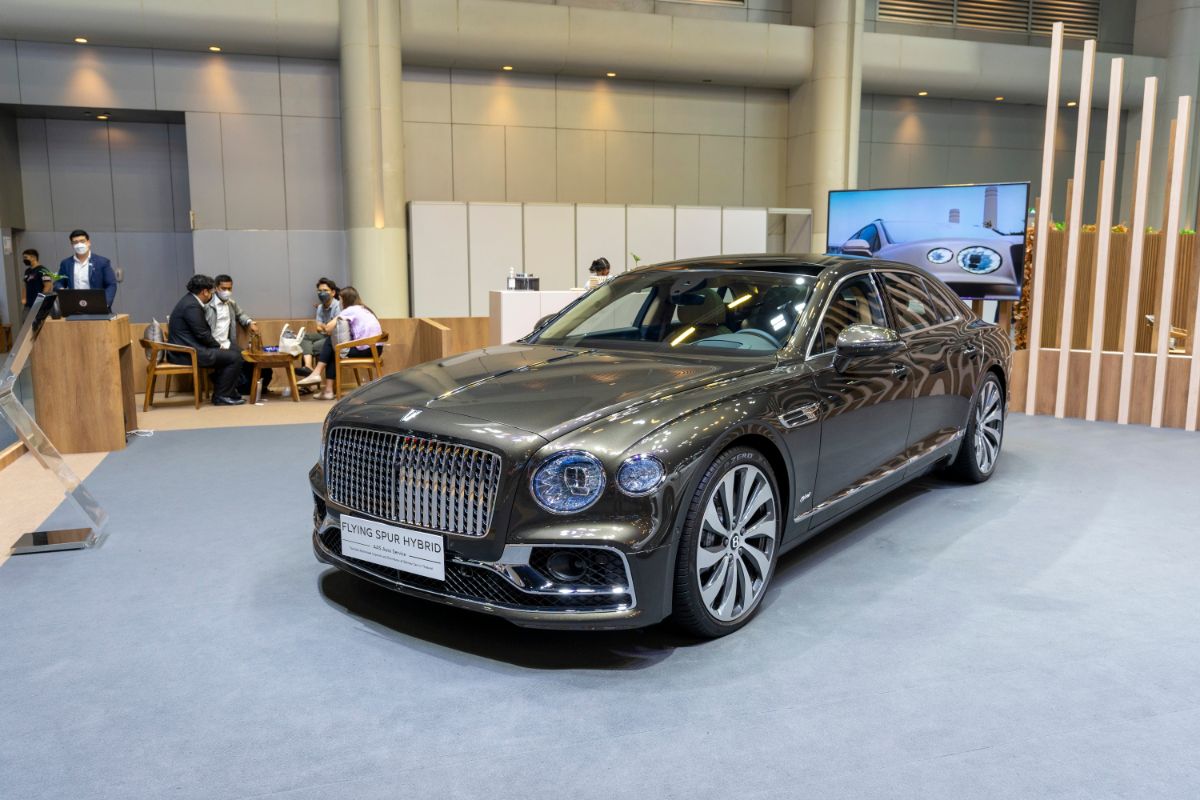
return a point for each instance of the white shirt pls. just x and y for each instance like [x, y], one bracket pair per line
[81, 273]
[221, 331]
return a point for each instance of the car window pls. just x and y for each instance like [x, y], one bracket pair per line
[946, 310]
[623, 312]
[734, 311]
[870, 235]
[910, 302]
[855, 301]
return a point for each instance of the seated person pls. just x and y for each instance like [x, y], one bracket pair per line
[222, 312]
[328, 306]
[599, 272]
[188, 326]
[361, 322]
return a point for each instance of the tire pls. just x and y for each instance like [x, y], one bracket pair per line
[980, 449]
[720, 594]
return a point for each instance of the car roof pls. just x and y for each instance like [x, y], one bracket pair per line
[765, 262]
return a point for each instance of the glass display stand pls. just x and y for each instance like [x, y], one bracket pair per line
[37, 443]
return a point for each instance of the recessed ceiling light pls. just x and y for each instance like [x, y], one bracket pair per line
[506, 68]
[999, 98]
[922, 93]
[102, 116]
[214, 48]
[80, 40]
[610, 74]
[1071, 104]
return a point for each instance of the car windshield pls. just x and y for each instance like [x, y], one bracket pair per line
[901, 232]
[735, 312]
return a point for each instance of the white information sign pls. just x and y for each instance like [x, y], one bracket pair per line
[392, 546]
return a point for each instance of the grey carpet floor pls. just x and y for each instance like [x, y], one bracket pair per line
[1036, 636]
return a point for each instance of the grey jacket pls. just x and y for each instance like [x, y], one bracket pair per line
[236, 315]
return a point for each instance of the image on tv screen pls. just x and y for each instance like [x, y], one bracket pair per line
[971, 237]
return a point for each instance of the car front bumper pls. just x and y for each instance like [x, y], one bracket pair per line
[626, 591]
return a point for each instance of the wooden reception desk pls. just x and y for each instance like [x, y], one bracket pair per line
[83, 383]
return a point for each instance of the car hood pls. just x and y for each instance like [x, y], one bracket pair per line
[546, 390]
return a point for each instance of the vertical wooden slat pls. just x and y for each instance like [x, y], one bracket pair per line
[1074, 226]
[1108, 180]
[1043, 217]
[1138, 232]
[1192, 416]
[1166, 305]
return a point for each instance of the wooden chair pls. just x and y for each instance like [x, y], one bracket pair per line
[154, 351]
[372, 363]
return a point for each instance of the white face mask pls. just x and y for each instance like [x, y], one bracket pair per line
[224, 295]
[80, 247]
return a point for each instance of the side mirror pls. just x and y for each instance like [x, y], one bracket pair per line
[859, 341]
[857, 247]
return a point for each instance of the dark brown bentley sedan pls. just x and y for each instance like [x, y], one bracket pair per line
[651, 450]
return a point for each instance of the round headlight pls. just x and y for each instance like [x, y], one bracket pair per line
[939, 255]
[640, 475]
[980, 260]
[569, 482]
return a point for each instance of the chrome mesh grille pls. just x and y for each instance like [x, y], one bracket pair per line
[412, 480]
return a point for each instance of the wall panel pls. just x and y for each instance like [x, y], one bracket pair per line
[439, 263]
[651, 234]
[697, 232]
[495, 242]
[313, 255]
[312, 168]
[252, 156]
[143, 197]
[89, 77]
[599, 231]
[743, 230]
[550, 244]
[80, 175]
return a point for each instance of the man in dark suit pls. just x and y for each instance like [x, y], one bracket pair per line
[188, 326]
[86, 270]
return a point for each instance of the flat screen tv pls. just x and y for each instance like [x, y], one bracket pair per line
[972, 237]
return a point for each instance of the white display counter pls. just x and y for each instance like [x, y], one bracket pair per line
[512, 315]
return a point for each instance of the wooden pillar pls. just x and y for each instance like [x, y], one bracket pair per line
[1162, 322]
[1042, 238]
[1138, 247]
[1108, 179]
[1075, 226]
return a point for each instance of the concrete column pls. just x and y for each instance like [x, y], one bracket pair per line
[823, 123]
[373, 153]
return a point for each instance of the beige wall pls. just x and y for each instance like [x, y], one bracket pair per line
[776, 11]
[922, 141]
[473, 135]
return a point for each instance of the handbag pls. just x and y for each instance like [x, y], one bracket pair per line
[154, 334]
[289, 342]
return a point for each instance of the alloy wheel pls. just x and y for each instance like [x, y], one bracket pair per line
[737, 543]
[989, 427]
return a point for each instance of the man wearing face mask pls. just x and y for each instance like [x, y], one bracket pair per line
[36, 279]
[86, 270]
[189, 326]
[222, 312]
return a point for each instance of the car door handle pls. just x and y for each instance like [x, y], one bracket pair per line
[971, 352]
[899, 371]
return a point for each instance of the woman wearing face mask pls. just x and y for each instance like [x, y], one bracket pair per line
[328, 306]
[361, 322]
[37, 279]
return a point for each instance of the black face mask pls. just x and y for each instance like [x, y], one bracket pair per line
[28, 263]
[323, 296]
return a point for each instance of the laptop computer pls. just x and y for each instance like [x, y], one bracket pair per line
[83, 304]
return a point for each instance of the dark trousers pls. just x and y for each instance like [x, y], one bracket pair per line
[330, 363]
[227, 367]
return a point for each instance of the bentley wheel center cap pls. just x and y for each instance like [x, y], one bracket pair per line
[736, 542]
